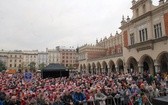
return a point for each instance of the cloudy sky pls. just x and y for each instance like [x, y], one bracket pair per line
[38, 24]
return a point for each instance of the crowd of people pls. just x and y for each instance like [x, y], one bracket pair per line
[82, 89]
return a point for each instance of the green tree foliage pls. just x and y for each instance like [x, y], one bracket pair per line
[32, 66]
[41, 66]
[2, 66]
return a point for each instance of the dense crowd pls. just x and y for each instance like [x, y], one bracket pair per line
[80, 89]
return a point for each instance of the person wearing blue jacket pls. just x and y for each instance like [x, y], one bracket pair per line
[78, 97]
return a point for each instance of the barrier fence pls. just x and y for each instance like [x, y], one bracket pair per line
[116, 101]
[130, 100]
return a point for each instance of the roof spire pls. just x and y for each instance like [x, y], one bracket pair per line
[133, 2]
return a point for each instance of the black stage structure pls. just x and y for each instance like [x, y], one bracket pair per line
[54, 70]
[160, 101]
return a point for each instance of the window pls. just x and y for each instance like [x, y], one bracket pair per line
[137, 12]
[158, 30]
[10, 65]
[10, 60]
[15, 56]
[119, 50]
[10, 55]
[15, 61]
[19, 65]
[143, 34]
[62, 61]
[132, 39]
[20, 56]
[15, 65]
[144, 8]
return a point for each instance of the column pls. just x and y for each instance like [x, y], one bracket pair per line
[109, 71]
[96, 70]
[156, 66]
[156, 69]
[101, 70]
[140, 68]
[92, 71]
[117, 68]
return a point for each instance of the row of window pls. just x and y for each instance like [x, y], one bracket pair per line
[15, 60]
[15, 65]
[21, 56]
[63, 61]
[68, 57]
[15, 56]
[143, 34]
[67, 53]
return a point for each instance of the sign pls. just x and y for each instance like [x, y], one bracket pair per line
[28, 76]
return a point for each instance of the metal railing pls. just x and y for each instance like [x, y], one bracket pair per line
[120, 100]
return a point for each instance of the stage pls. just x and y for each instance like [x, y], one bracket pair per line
[160, 101]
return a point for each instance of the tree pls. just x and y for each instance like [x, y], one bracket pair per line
[2, 66]
[70, 67]
[32, 66]
[41, 66]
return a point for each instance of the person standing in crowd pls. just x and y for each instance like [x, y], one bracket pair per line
[58, 101]
[100, 97]
[78, 97]
[67, 98]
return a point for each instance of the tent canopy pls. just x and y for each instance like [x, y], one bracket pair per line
[54, 71]
[54, 66]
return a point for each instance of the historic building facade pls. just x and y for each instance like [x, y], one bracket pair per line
[63, 55]
[30, 56]
[42, 58]
[68, 57]
[15, 59]
[105, 56]
[144, 47]
[53, 55]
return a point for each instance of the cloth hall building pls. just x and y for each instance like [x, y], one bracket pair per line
[141, 46]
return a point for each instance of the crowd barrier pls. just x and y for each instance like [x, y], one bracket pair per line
[115, 101]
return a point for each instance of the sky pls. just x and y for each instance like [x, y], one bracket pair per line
[41, 24]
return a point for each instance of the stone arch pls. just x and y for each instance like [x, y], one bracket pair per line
[89, 68]
[120, 65]
[112, 66]
[94, 68]
[162, 61]
[99, 67]
[147, 64]
[132, 64]
[105, 67]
